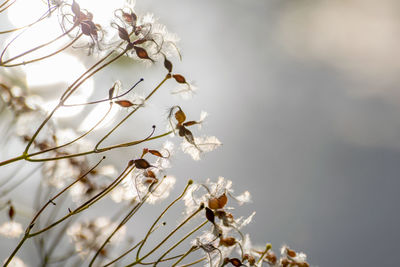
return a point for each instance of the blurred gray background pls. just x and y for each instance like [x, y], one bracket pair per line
[304, 97]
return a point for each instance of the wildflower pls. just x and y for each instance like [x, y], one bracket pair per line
[214, 191]
[225, 234]
[144, 179]
[291, 257]
[200, 145]
[11, 229]
[164, 42]
[185, 90]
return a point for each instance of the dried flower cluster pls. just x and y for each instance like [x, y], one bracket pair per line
[72, 177]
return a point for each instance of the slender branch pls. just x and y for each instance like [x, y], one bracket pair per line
[193, 263]
[180, 241]
[45, 15]
[76, 139]
[4, 63]
[16, 250]
[5, 8]
[132, 112]
[106, 99]
[168, 236]
[129, 250]
[43, 57]
[51, 201]
[193, 248]
[189, 183]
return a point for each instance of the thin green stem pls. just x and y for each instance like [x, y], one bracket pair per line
[267, 248]
[132, 112]
[44, 57]
[96, 151]
[4, 63]
[167, 259]
[5, 8]
[180, 241]
[123, 222]
[106, 99]
[88, 203]
[12, 160]
[128, 251]
[76, 139]
[81, 79]
[193, 263]
[45, 15]
[193, 248]
[189, 183]
[16, 249]
[51, 201]
[168, 236]
[6, 191]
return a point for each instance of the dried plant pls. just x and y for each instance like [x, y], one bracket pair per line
[73, 176]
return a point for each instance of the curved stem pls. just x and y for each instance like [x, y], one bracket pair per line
[132, 112]
[99, 150]
[193, 248]
[71, 89]
[168, 236]
[193, 263]
[127, 252]
[122, 223]
[180, 241]
[76, 139]
[106, 99]
[4, 63]
[45, 15]
[44, 57]
[16, 249]
[189, 183]
[6, 191]
[12, 160]
[5, 8]
[88, 203]
[125, 220]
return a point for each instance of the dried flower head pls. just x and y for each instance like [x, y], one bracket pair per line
[11, 229]
[89, 235]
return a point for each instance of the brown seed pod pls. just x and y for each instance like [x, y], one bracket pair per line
[156, 153]
[149, 174]
[129, 18]
[123, 34]
[210, 215]
[75, 8]
[179, 78]
[190, 123]
[167, 65]
[124, 103]
[11, 212]
[88, 28]
[227, 241]
[213, 203]
[142, 164]
[222, 200]
[180, 116]
[271, 257]
[291, 253]
[111, 92]
[235, 262]
[141, 53]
